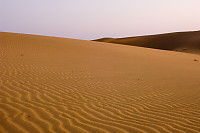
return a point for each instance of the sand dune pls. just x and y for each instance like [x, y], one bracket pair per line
[188, 42]
[62, 85]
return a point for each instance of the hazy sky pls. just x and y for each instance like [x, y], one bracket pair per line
[90, 19]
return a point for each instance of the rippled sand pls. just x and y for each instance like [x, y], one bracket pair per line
[63, 85]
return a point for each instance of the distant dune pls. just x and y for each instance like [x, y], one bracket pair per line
[58, 85]
[188, 42]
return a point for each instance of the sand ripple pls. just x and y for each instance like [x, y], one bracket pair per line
[55, 85]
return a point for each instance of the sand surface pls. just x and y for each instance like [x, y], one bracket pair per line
[56, 85]
[187, 42]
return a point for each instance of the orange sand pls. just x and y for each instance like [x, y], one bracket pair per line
[59, 85]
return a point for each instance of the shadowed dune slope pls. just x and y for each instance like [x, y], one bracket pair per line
[59, 85]
[188, 42]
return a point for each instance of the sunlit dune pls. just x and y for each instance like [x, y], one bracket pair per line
[59, 85]
[188, 42]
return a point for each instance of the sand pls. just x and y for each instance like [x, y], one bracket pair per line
[57, 85]
[187, 42]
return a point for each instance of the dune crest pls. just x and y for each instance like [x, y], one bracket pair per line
[59, 85]
[188, 42]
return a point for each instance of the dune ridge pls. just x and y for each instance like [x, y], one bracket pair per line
[50, 84]
[188, 42]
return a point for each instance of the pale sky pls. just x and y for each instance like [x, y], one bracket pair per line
[91, 19]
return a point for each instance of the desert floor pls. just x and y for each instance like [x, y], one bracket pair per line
[57, 85]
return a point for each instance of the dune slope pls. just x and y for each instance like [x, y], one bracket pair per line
[59, 85]
[188, 42]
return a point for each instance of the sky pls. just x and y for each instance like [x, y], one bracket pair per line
[92, 19]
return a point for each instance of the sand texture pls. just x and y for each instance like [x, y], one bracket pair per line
[187, 42]
[57, 85]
